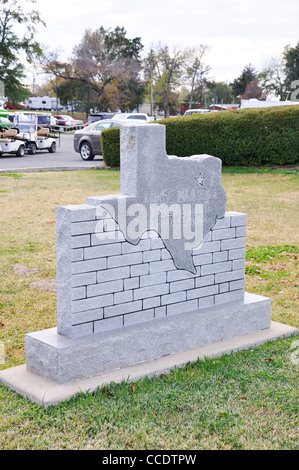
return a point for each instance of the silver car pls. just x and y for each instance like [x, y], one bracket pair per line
[87, 141]
[196, 111]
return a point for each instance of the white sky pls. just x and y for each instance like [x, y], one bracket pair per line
[238, 32]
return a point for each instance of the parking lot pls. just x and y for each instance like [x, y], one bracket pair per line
[65, 158]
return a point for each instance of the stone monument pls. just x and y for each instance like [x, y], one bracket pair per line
[149, 275]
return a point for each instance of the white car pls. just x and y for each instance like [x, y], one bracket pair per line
[196, 111]
[141, 116]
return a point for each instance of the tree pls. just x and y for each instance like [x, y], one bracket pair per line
[218, 92]
[132, 93]
[253, 90]
[291, 63]
[239, 84]
[272, 79]
[103, 60]
[70, 92]
[12, 44]
[149, 67]
[277, 77]
[165, 71]
[166, 100]
[195, 71]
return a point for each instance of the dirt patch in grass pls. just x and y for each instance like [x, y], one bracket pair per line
[48, 285]
[22, 270]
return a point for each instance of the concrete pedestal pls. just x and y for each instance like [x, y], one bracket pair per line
[62, 359]
[46, 393]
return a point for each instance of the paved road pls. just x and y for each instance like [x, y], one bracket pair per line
[65, 158]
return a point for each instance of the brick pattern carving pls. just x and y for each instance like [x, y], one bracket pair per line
[105, 282]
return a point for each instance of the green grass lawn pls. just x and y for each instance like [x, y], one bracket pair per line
[246, 400]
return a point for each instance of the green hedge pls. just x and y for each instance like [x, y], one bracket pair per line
[111, 146]
[240, 137]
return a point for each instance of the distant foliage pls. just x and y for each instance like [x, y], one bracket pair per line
[241, 137]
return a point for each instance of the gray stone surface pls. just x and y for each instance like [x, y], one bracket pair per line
[62, 359]
[46, 393]
[100, 278]
[64, 263]
[149, 177]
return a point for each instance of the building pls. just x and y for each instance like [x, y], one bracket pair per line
[254, 103]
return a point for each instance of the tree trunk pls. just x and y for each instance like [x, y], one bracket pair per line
[166, 111]
[152, 105]
[191, 93]
[191, 99]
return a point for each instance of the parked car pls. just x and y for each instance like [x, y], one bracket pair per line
[67, 123]
[46, 120]
[141, 116]
[196, 111]
[98, 117]
[87, 141]
[16, 106]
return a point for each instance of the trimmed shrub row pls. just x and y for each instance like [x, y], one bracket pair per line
[110, 143]
[239, 137]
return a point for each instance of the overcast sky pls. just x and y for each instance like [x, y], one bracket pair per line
[238, 32]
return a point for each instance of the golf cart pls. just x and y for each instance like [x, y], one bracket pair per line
[10, 144]
[4, 121]
[31, 134]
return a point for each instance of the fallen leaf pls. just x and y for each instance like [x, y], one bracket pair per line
[243, 398]
[1, 324]
[269, 359]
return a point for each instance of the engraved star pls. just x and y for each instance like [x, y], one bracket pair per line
[199, 180]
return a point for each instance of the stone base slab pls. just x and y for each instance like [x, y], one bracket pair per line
[62, 359]
[46, 393]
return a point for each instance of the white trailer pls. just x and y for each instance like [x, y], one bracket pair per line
[43, 103]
